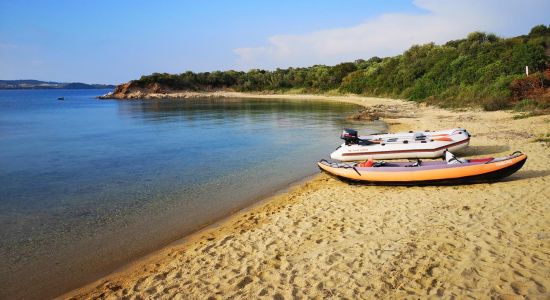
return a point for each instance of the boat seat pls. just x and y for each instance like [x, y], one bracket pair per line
[483, 160]
[451, 159]
[417, 163]
[381, 164]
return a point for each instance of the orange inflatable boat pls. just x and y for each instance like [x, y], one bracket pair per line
[451, 170]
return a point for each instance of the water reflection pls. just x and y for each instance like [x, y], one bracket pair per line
[229, 109]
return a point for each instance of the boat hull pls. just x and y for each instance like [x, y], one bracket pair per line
[404, 145]
[437, 173]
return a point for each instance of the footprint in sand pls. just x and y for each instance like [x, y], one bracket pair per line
[519, 287]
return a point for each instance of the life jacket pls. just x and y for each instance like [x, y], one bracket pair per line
[367, 164]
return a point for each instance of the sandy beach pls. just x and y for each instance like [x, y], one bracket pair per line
[329, 239]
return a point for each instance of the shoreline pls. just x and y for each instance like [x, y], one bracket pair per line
[204, 231]
[354, 99]
[206, 227]
[251, 231]
[116, 245]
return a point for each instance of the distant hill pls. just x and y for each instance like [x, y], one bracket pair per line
[481, 69]
[37, 84]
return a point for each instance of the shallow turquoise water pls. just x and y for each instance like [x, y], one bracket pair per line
[87, 184]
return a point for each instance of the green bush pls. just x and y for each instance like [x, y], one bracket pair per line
[495, 104]
[475, 71]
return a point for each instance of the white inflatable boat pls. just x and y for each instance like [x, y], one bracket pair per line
[422, 144]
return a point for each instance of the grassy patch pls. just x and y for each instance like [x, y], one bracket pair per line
[495, 104]
[333, 92]
[525, 115]
[545, 139]
[295, 91]
[531, 107]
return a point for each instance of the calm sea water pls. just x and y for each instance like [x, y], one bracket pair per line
[86, 185]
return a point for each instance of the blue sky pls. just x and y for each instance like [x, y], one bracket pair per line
[116, 41]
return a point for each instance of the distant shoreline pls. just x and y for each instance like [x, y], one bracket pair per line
[48, 89]
[31, 84]
[364, 101]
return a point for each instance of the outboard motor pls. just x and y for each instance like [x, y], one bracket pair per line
[350, 136]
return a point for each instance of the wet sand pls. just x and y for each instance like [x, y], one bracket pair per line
[326, 238]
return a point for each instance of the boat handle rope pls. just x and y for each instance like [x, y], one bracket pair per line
[336, 165]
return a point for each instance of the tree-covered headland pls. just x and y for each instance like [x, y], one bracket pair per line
[480, 70]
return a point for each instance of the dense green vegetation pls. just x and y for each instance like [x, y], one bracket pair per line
[481, 69]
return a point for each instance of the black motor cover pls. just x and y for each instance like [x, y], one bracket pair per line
[350, 136]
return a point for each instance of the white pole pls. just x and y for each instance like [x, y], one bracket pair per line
[527, 70]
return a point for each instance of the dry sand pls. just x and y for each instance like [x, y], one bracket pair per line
[329, 239]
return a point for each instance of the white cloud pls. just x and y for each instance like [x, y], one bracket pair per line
[390, 34]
